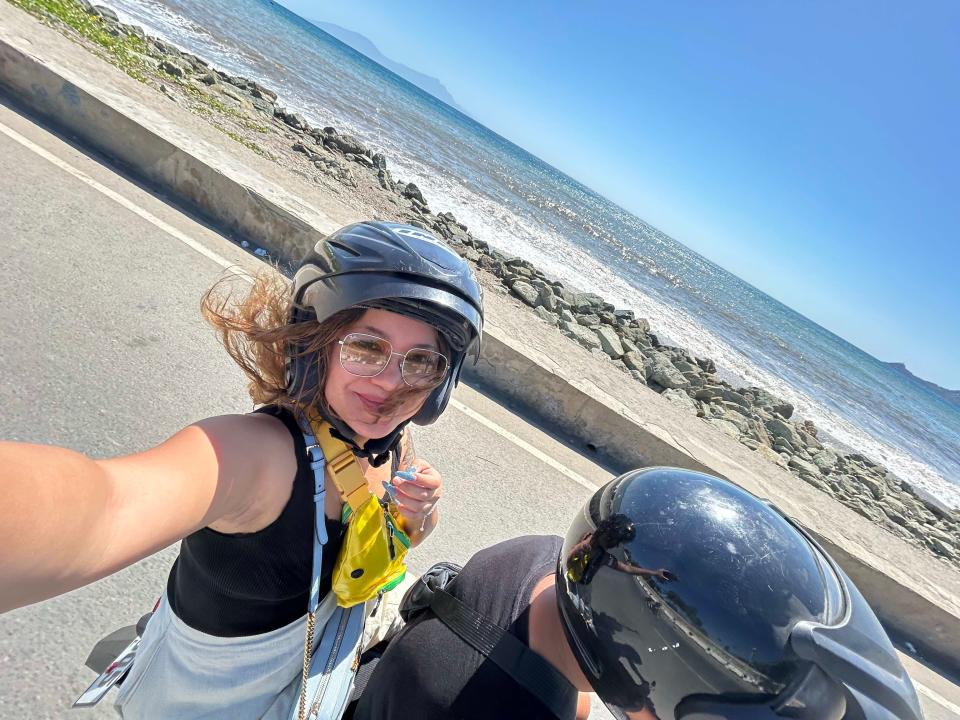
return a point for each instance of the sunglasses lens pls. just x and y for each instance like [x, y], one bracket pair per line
[364, 355]
[423, 369]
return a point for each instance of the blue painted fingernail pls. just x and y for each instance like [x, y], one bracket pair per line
[406, 474]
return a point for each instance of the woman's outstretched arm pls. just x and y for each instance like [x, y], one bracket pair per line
[67, 520]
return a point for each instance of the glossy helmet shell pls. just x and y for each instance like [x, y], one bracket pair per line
[395, 267]
[693, 593]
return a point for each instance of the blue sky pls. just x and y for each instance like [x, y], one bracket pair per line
[811, 148]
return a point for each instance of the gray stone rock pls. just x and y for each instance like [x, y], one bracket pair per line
[891, 502]
[241, 82]
[349, 144]
[526, 292]
[638, 375]
[869, 512]
[588, 320]
[582, 335]
[737, 419]
[637, 336]
[258, 91]
[544, 314]
[680, 399]
[706, 364]
[876, 488]
[809, 440]
[939, 546]
[781, 429]
[610, 341]
[263, 106]
[106, 13]
[939, 533]
[174, 67]
[782, 446]
[765, 399]
[897, 517]
[296, 121]
[587, 302]
[804, 466]
[410, 190]
[635, 361]
[307, 150]
[825, 459]
[662, 372]
[547, 298]
[629, 346]
[196, 63]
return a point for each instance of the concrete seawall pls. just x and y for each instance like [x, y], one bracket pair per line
[524, 360]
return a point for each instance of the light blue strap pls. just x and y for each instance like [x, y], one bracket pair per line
[317, 464]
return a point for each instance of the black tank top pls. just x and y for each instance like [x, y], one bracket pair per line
[232, 585]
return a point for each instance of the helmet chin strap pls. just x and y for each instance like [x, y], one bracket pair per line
[376, 451]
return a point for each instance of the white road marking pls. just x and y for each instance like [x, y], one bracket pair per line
[523, 445]
[937, 697]
[223, 262]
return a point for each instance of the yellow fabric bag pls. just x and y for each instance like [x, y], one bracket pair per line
[371, 558]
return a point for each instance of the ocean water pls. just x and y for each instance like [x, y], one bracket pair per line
[523, 206]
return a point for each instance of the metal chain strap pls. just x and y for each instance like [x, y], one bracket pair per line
[307, 653]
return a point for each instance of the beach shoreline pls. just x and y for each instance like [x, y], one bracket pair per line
[247, 113]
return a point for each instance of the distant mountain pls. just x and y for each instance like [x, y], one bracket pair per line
[952, 396]
[363, 46]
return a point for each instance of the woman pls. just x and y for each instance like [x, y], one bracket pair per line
[373, 336]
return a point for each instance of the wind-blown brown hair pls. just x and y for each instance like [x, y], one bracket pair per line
[255, 328]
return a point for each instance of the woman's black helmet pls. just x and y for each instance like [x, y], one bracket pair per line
[689, 598]
[395, 267]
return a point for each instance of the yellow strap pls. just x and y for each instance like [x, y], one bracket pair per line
[343, 465]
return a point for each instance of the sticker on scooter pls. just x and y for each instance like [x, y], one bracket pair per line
[115, 672]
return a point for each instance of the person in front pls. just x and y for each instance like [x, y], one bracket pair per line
[675, 596]
[371, 336]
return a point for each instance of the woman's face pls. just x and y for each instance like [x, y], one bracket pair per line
[360, 401]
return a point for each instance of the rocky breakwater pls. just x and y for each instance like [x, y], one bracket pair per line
[250, 114]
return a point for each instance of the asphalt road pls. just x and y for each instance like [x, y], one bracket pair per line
[104, 351]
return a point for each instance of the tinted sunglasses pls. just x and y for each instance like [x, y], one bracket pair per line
[369, 355]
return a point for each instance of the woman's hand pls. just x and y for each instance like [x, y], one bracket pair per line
[417, 493]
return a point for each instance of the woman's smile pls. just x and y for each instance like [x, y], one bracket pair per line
[371, 402]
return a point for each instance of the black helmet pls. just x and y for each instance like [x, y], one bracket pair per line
[686, 596]
[395, 267]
